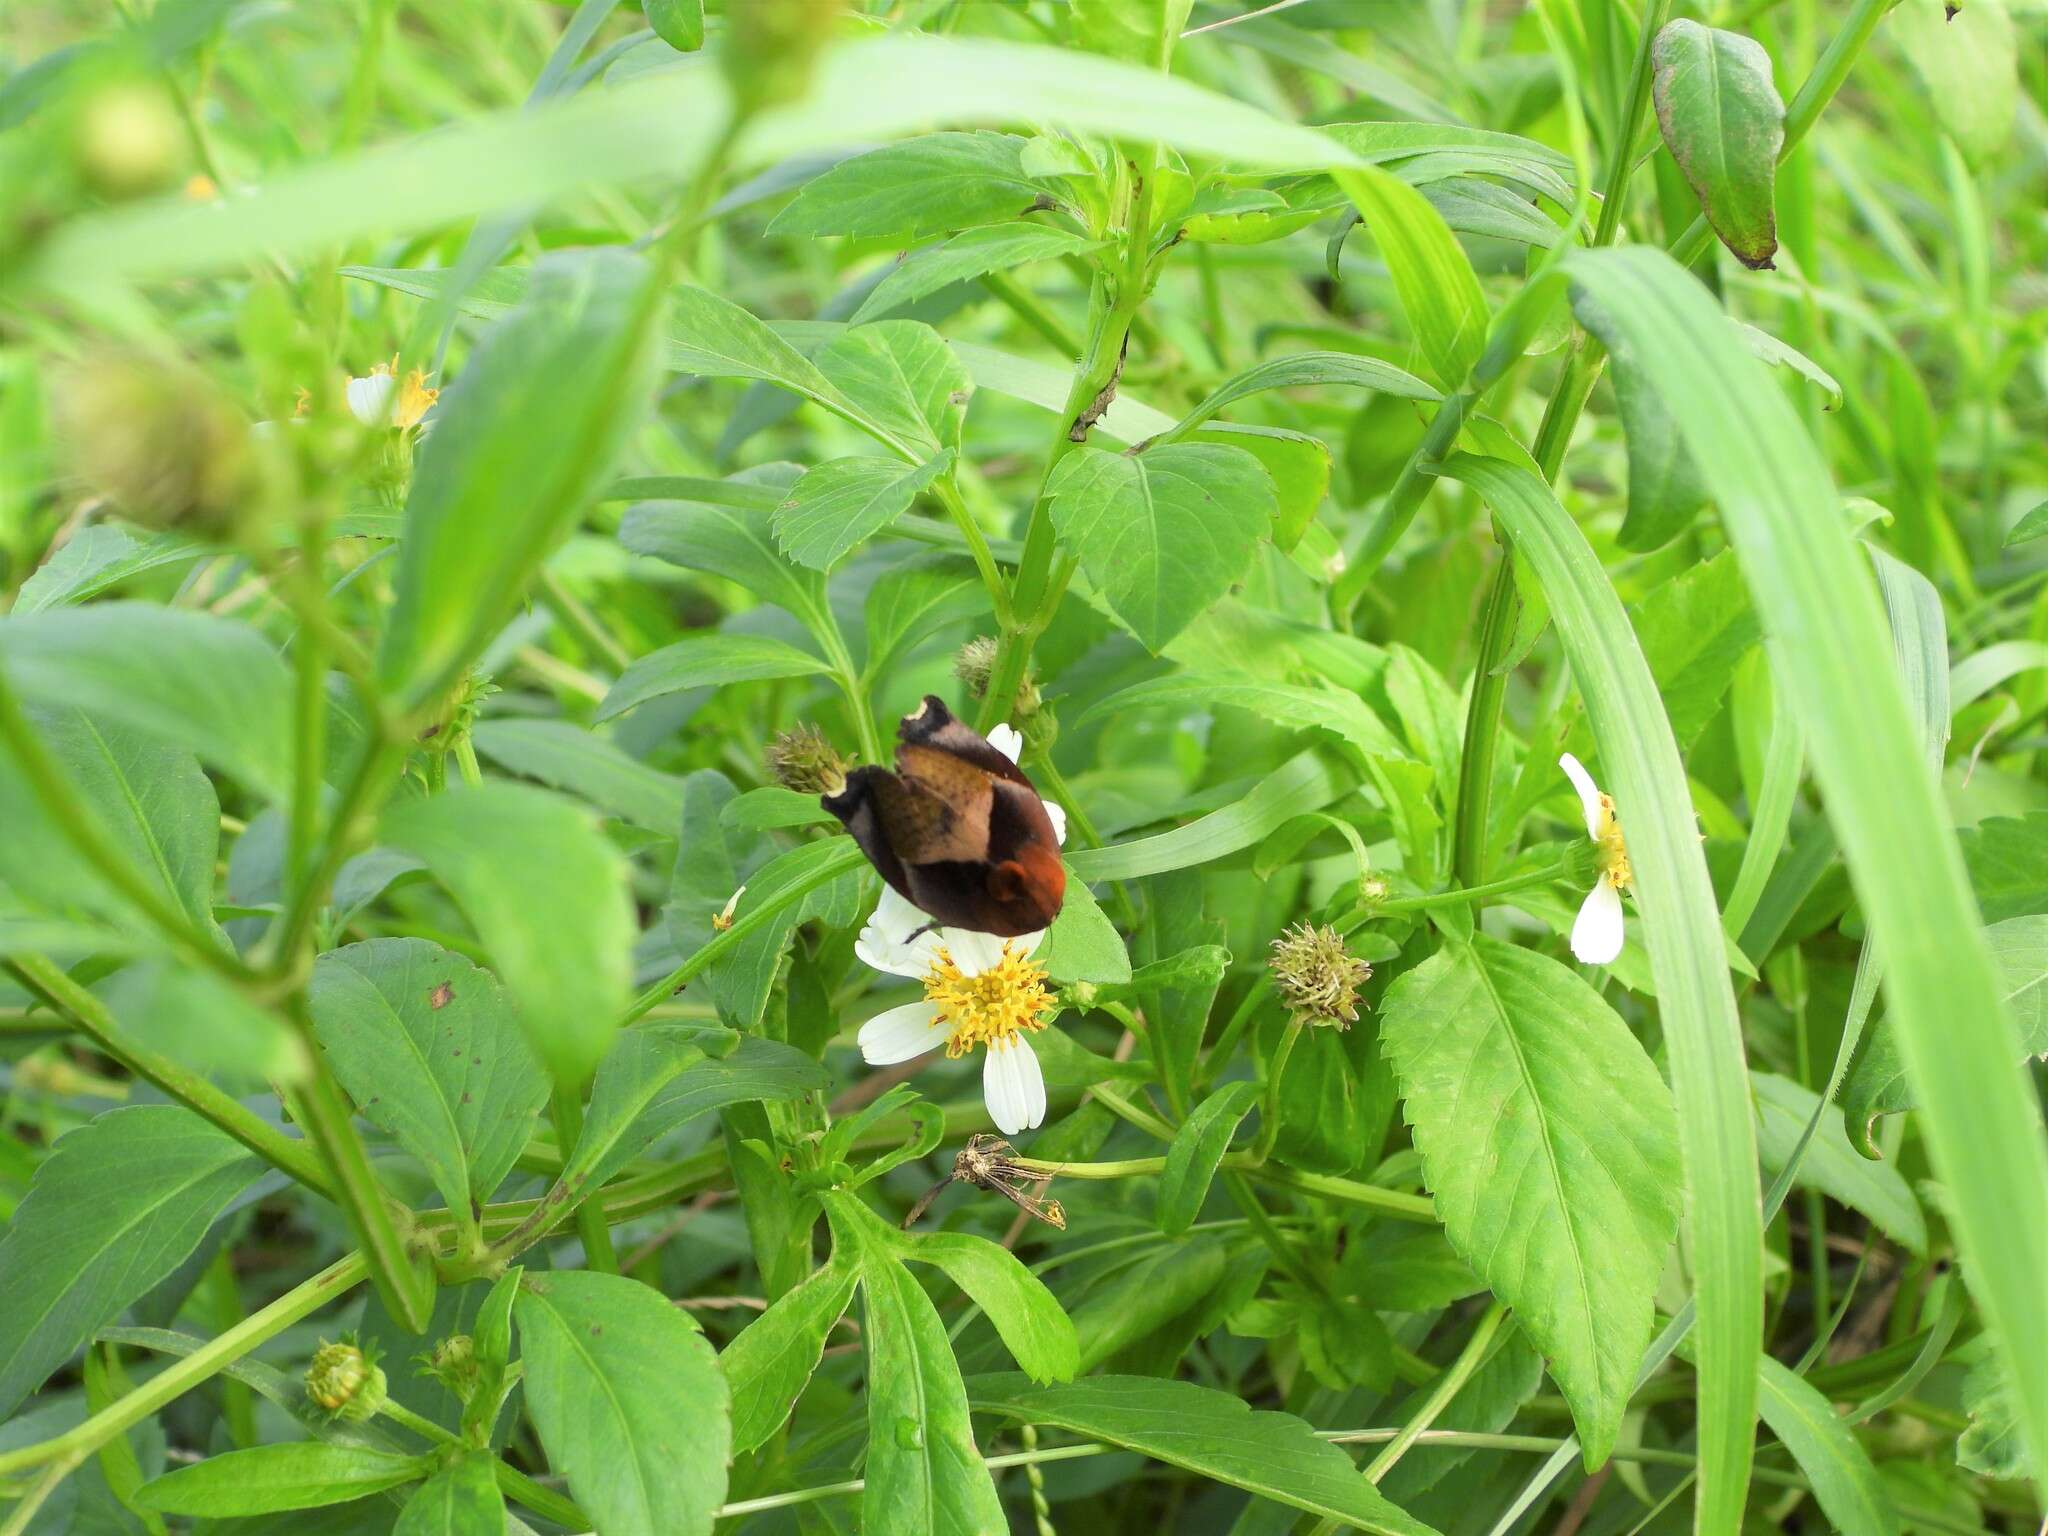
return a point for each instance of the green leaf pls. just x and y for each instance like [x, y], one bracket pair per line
[915, 599]
[1550, 1147]
[2007, 857]
[1033, 1328]
[268, 1478]
[1305, 782]
[1164, 534]
[629, 1402]
[1438, 289]
[1082, 944]
[1845, 1483]
[208, 685]
[1300, 706]
[709, 660]
[1140, 32]
[1724, 124]
[741, 981]
[1992, 1444]
[2032, 525]
[1303, 370]
[1486, 1404]
[733, 542]
[679, 23]
[1877, 1083]
[97, 557]
[153, 806]
[1695, 629]
[918, 188]
[1198, 1146]
[427, 1045]
[771, 1361]
[843, 502]
[116, 1205]
[906, 386]
[924, 1472]
[969, 254]
[567, 960]
[658, 1077]
[1411, 1271]
[1665, 490]
[522, 439]
[204, 1021]
[569, 758]
[1135, 1302]
[1969, 63]
[461, 1500]
[1212, 1434]
[1830, 1164]
[1688, 959]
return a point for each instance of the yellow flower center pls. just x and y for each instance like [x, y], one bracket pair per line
[1614, 865]
[414, 398]
[1008, 997]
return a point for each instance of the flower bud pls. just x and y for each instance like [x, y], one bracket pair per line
[159, 441]
[1372, 890]
[453, 1363]
[346, 1382]
[128, 142]
[975, 664]
[804, 760]
[1317, 978]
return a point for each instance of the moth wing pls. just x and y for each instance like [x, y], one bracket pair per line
[935, 726]
[934, 812]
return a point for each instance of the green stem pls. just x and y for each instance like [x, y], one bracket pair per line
[182, 1375]
[1448, 1386]
[1390, 1202]
[82, 829]
[309, 744]
[567, 1108]
[1269, 1132]
[382, 761]
[404, 1280]
[1028, 308]
[947, 491]
[52, 983]
[581, 623]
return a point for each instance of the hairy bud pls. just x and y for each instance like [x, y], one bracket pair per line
[804, 760]
[1317, 978]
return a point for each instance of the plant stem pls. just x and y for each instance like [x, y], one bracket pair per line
[1390, 1202]
[567, 1108]
[309, 740]
[187, 1372]
[1269, 1132]
[52, 983]
[1447, 1387]
[1032, 311]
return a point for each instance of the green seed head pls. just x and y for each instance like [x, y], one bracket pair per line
[1317, 978]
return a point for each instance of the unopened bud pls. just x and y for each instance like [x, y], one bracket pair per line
[804, 760]
[128, 139]
[975, 664]
[453, 1364]
[1317, 978]
[159, 441]
[346, 1382]
[1372, 890]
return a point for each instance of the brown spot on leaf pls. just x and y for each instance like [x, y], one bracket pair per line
[442, 995]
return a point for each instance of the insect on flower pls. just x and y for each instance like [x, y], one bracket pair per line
[1596, 932]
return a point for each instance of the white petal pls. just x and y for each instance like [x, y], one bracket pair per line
[1057, 815]
[372, 400]
[1013, 1086]
[1008, 740]
[1596, 934]
[1589, 792]
[1025, 945]
[972, 952]
[893, 956]
[900, 1033]
[897, 918]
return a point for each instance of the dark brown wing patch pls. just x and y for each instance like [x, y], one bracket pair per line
[934, 725]
[928, 821]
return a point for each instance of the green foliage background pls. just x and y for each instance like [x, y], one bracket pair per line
[419, 930]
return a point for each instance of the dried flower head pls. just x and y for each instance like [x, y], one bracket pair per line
[1317, 977]
[346, 1382]
[804, 760]
[975, 664]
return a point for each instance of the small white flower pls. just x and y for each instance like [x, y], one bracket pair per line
[1596, 934]
[383, 399]
[978, 990]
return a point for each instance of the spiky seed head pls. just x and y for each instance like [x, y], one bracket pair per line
[1317, 978]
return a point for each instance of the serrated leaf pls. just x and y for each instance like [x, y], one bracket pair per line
[969, 254]
[920, 187]
[1198, 1146]
[706, 661]
[521, 440]
[1695, 629]
[840, 504]
[627, 1396]
[566, 960]
[1528, 1095]
[1210, 1433]
[116, 1206]
[427, 1045]
[901, 377]
[211, 686]
[269, 1478]
[581, 763]
[1724, 124]
[2008, 863]
[1164, 534]
[771, 1360]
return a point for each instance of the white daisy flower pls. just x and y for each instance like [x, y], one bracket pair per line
[383, 399]
[978, 990]
[1596, 933]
